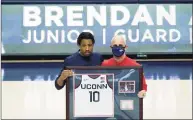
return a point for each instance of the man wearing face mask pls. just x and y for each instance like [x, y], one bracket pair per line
[118, 46]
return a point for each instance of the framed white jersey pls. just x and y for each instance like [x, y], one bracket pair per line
[104, 92]
[91, 93]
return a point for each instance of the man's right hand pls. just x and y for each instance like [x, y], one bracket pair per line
[64, 75]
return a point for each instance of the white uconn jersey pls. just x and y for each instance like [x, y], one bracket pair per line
[93, 97]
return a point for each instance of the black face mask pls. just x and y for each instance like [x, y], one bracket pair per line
[118, 51]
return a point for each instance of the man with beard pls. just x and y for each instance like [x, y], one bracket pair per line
[83, 57]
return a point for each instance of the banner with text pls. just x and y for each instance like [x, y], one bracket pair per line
[53, 29]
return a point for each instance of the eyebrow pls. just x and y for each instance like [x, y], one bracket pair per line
[118, 44]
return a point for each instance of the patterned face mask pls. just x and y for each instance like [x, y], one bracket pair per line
[118, 51]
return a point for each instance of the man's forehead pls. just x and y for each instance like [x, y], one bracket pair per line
[118, 41]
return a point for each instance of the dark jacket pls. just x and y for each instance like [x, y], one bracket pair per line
[95, 59]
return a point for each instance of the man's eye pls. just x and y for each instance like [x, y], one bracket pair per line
[121, 46]
[118, 46]
[114, 45]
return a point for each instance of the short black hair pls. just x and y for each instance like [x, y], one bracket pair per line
[85, 35]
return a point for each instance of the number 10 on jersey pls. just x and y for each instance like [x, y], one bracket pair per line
[93, 92]
[94, 96]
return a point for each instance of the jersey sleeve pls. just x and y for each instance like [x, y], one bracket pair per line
[64, 82]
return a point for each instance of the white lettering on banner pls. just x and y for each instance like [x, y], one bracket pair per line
[104, 36]
[114, 13]
[69, 36]
[172, 32]
[161, 35]
[52, 36]
[190, 23]
[147, 36]
[63, 38]
[97, 18]
[93, 14]
[31, 16]
[42, 37]
[142, 15]
[130, 36]
[55, 18]
[74, 16]
[162, 13]
[190, 29]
